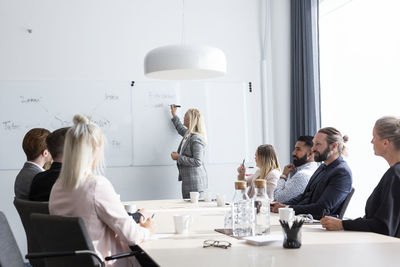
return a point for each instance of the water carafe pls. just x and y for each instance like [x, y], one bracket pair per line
[261, 208]
[242, 211]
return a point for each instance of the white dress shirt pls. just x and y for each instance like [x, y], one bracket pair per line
[296, 183]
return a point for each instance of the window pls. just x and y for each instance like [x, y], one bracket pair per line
[360, 81]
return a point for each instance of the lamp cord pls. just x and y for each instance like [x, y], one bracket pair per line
[183, 22]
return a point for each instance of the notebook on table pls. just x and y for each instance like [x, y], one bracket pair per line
[258, 240]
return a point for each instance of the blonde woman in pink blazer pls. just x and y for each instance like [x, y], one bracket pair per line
[268, 164]
[82, 191]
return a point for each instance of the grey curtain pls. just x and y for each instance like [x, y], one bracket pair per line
[305, 114]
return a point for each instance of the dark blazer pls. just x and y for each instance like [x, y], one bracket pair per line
[326, 190]
[43, 182]
[24, 179]
[190, 162]
[382, 211]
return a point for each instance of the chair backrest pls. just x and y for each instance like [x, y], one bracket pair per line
[10, 255]
[62, 233]
[345, 203]
[25, 208]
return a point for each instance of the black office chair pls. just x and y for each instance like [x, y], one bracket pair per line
[10, 255]
[345, 203]
[25, 208]
[67, 236]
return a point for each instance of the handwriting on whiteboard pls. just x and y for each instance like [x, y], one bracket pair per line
[111, 97]
[160, 100]
[10, 125]
[29, 100]
[115, 143]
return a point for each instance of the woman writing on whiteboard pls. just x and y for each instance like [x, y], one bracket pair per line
[268, 164]
[190, 155]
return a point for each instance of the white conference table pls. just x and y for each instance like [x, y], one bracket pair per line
[319, 247]
[205, 215]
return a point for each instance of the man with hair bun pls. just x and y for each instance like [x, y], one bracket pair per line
[330, 184]
[37, 155]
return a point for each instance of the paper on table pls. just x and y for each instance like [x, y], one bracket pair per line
[160, 236]
[262, 240]
[315, 226]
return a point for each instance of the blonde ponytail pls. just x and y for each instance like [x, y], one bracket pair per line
[83, 152]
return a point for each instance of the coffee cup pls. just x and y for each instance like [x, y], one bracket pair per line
[194, 197]
[131, 208]
[286, 214]
[182, 223]
[207, 196]
[220, 200]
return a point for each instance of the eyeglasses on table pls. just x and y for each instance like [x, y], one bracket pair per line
[307, 218]
[217, 244]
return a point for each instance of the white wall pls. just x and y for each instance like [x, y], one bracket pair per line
[107, 40]
[347, 73]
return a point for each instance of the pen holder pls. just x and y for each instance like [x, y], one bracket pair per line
[292, 235]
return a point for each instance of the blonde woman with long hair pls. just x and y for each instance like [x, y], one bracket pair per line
[82, 191]
[268, 164]
[190, 155]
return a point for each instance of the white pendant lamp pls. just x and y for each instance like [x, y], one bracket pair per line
[185, 62]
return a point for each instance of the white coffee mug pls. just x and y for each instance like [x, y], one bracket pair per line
[286, 214]
[131, 208]
[220, 200]
[194, 197]
[207, 196]
[182, 223]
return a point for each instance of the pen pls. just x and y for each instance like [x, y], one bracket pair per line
[152, 216]
[323, 213]
[177, 106]
[243, 162]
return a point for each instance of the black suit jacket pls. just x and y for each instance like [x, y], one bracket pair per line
[326, 190]
[43, 182]
[382, 211]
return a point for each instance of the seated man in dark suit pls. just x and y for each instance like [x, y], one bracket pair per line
[331, 182]
[37, 155]
[43, 182]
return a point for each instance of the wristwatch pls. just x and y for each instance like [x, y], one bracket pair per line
[283, 177]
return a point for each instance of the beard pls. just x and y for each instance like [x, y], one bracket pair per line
[319, 157]
[299, 161]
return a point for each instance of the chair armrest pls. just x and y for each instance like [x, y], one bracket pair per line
[38, 255]
[123, 255]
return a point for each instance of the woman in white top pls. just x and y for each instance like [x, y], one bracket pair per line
[82, 191]
[268, 164]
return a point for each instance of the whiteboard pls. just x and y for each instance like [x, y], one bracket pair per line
[154, 137]
[227, 122]
[52, 104]
[136, 120]
[223, 105]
